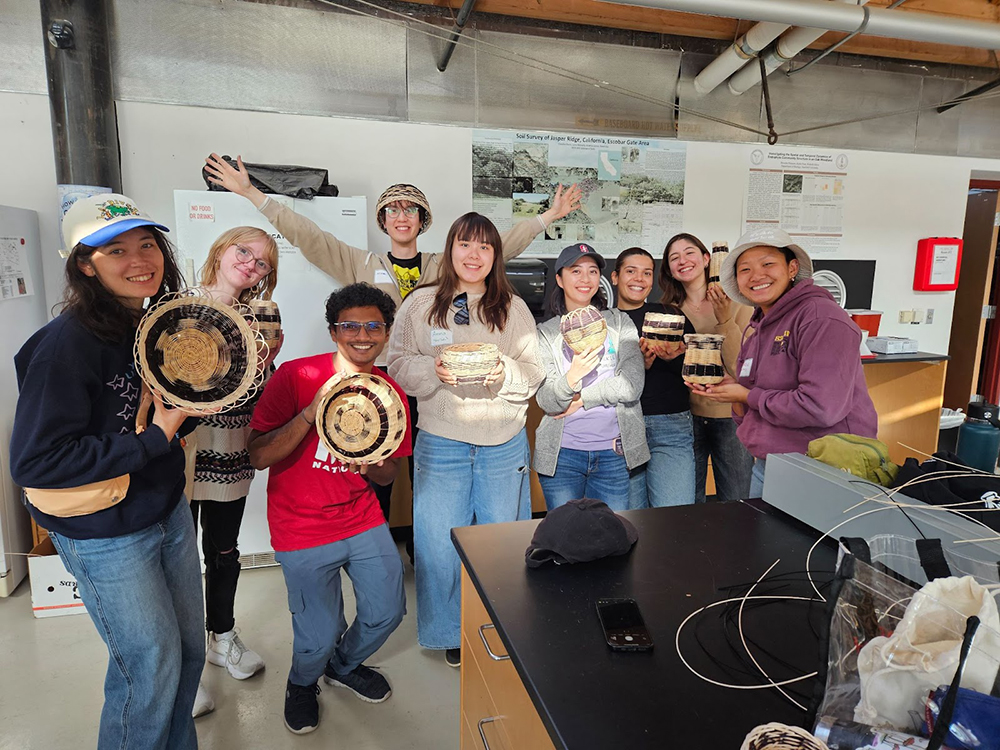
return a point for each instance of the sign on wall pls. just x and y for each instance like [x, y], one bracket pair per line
[800, 191]
[633, 187]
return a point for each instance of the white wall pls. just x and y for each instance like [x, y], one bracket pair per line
[892, 200]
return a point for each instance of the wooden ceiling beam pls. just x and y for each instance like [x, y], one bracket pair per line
[595, 13]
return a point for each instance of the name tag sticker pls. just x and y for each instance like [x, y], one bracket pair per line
[441, 337]
[382, 276]
[745, 372]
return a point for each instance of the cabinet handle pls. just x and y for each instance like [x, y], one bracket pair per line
[482, 635]
[482, 734]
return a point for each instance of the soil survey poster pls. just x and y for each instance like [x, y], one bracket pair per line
[633, 187]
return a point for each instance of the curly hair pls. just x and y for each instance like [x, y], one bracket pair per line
[359, 295]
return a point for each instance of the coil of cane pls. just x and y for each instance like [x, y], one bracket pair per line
[361, 419]
[470, 363]
[199, 353]
[583, 328]
[775, 736]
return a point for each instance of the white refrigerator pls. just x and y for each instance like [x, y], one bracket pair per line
[200, 217]
[22, 312]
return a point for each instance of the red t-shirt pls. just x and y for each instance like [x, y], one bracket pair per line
[312, 499]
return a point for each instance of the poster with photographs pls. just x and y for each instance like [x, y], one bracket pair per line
[800, 191]
[15, 279]
[633, 188]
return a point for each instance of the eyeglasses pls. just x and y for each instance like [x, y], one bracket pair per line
[245, 256]
[392, 212]
[353, 328]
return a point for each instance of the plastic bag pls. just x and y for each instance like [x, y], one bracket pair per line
[295, 182]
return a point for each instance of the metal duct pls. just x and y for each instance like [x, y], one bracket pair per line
[895, 24]
[747, 47]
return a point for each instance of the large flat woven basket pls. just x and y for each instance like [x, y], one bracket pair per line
[361, 419]
[199, 353]
[470, 363]
[583, 329]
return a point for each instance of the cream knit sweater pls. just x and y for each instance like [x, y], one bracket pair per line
[474, 414]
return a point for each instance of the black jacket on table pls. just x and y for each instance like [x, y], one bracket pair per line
[75, 424]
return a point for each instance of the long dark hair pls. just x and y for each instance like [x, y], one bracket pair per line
[96, 308]
[494, 306]
[673, 290]
[557, 299]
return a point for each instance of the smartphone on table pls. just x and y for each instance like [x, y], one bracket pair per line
[624, 628]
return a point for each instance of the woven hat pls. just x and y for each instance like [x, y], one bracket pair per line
[767, 236]
[361, 419]
[403, 192]
[199, 353]
[97, 220]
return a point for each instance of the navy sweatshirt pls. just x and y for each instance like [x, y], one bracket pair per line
[75, 424]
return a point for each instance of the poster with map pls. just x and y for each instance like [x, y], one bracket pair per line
[15, 279]
[633, 187]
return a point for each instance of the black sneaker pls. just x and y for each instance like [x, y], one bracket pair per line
[453, 657]
[369, 685]
[301, 708]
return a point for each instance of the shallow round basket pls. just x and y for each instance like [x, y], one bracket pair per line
[267, 317]
[361, 419]
[776, 736]
[470, 363]
[199, 353]
[583, 329]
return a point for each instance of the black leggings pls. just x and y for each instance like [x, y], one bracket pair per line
[220, 530]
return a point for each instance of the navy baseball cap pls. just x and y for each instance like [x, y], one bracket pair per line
[570, 255]
[580, 531]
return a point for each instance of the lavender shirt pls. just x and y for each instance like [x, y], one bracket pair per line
[596, 428]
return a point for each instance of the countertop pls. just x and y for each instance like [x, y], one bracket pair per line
[592, 698]
[908, 357]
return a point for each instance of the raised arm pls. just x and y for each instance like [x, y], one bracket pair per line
[522, 234]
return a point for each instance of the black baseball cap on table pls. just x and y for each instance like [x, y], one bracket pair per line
[580, 531]
[573, 253]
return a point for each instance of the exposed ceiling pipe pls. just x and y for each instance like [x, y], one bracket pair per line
[784, 51]
[744, 49]
[822, 14]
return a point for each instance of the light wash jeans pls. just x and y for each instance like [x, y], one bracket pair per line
[668, 477]
[757, 478]
[602, 475]
[731, 462]
[316, 601]
[459, 484]
[143, 592]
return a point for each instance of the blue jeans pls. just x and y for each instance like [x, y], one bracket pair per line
[602, 475]
[316, 601]
[668, 477]
[757, 478]
[143, 592]
[716, 437]
[459, 484]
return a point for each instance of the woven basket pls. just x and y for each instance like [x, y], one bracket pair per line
[720, 251]
[703, 355]
[776, 736]
[199, 353]
[267, 317]
[361, 419]
[470, 363]
[583, 329]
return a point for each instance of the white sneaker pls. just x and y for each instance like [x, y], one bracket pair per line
[227, 650]
[203, 703]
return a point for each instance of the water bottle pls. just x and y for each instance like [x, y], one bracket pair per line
[979, 437]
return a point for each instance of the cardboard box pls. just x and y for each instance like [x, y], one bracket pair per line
[53, 589]
[891, 344]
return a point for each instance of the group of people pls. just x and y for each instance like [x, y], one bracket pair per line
[620, 425]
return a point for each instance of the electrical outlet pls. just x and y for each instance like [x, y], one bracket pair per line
[929, 318]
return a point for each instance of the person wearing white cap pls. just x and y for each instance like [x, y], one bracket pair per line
[111, 499]
[799, 371]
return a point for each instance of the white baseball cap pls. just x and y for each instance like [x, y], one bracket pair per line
[97, 220]
[762, 236]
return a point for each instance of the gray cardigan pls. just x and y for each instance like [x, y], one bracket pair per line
[621, 391]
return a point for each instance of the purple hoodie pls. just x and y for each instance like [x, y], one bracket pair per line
[803, 368]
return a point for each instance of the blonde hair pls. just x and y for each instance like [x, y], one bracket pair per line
[263, 288]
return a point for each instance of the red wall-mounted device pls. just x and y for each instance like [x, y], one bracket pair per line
[939, 260]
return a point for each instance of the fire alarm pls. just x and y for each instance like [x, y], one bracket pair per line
[939, 260]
